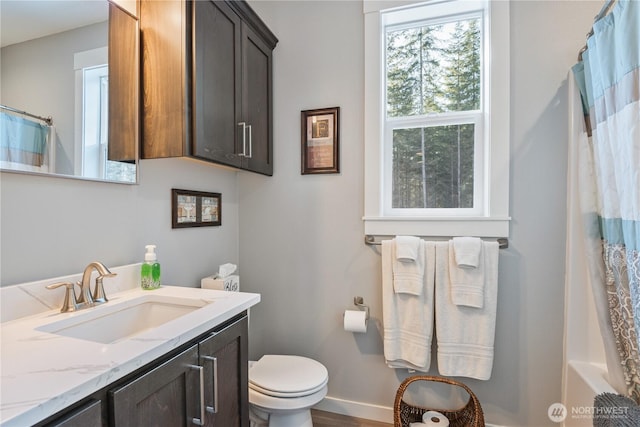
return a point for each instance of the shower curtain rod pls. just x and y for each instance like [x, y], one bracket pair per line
[603, 12]
[503, 242]
[47, 120]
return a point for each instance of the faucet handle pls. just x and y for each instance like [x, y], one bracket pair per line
[98, 292]
[70, 302]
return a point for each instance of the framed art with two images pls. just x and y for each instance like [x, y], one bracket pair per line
[320, 141]
[195, 209]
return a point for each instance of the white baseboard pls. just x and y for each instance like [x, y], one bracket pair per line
[366, 411]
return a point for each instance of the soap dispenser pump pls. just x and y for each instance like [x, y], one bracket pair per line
[150, 270]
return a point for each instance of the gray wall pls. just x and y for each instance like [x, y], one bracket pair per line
[55, 226]
[298, 239]
[301, 236]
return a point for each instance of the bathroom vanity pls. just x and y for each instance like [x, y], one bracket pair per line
[203, 381]
[143, 358]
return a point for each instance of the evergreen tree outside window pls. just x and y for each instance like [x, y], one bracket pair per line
[433, 77]
[437, 117]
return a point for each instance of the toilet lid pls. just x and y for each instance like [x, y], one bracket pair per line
[287, 376]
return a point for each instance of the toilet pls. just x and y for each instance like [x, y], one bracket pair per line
[282, 390]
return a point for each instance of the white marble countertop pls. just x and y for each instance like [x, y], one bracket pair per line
[43, 373]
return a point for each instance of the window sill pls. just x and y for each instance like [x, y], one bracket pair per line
[437, 227]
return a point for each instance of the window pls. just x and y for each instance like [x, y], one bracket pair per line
[436, 118]
[92, 118]
[95, 116]
[433, 118]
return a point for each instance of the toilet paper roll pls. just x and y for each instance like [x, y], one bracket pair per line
[435, 418]
[355, 321]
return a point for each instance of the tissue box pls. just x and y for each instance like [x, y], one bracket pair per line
[229, 283]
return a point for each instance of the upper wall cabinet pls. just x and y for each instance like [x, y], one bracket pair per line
[124, 79]
[207, 83]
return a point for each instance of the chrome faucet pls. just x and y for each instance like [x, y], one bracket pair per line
[85, 285]
[71, 303]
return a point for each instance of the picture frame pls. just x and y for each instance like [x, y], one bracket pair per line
[320, 141]
[195, 209]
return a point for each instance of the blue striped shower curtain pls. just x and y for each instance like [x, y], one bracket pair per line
[22, 140]
[609, 80]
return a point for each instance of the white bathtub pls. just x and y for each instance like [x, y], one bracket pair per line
[584, 381]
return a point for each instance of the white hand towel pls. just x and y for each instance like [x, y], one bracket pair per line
[467, 284]
[466, 335]
[407, 248]
[407, 319]
[467, 251]
[408, 275]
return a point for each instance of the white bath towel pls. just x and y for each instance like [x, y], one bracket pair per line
[467, 251]
[407, 319]
[465, 334]
[407, 248]
[408, 274]
[467, 283]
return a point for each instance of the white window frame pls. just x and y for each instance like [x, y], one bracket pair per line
[489, 217]
[81, 61]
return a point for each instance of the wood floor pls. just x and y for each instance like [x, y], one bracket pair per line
[329, 419]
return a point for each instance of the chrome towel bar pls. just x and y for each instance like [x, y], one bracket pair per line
[503, 242]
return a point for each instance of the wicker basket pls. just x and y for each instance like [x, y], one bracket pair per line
[470, 415]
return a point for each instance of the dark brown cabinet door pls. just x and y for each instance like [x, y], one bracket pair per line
[216, 88]
[224, 356]
[256, 101]
[166, 396]
[232, 90]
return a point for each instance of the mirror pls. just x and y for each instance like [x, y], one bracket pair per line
[69, 89]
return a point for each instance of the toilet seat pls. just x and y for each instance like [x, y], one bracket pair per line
[287, 376]
[276, 404]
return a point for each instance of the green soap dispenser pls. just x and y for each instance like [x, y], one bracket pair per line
[150, 270]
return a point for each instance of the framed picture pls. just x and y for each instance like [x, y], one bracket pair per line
[195, 209]
[320, 141]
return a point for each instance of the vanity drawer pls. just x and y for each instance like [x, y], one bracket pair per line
[89, 414]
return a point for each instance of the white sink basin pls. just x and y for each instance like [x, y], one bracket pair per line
[115, 321]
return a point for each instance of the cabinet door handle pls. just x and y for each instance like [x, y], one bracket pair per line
[213, 409]
[244, 139]
[250, 142]
[199, 421]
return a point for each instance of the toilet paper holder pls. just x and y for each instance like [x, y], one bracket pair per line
[359, 302]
